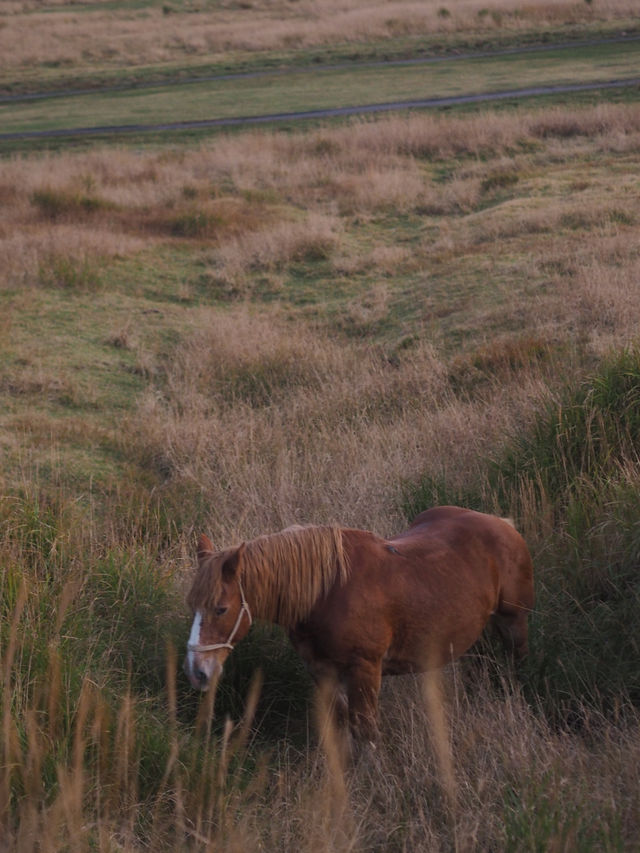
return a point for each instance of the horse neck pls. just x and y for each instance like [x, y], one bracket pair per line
[264, 600]
[287, 573]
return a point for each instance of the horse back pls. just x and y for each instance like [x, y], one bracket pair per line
[424, 596]
[481, 540]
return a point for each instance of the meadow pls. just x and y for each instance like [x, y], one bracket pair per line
[53, 43]
[345, 322]
[305, 89]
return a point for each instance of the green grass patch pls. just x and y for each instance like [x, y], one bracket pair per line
[325, 88]
[544, 813]
[80, 353]
[67, 273]
[56, 205]
[192, 137]
[584, 440]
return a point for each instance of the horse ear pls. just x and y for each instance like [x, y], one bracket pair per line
[232, 563]
[205, 547]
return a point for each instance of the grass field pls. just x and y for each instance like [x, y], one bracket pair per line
[56, 46]
[346, 322]
[325, 88]
[61, 40]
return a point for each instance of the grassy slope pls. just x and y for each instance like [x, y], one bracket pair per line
[516, 261]
[85, 345]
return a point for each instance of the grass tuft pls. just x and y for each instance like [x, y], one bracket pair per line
[56, 205]
[586, 437]
[64, 272]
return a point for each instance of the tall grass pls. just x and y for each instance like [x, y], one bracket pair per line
[380, 361]
[249, 192]
[102, 747]
[254, 405]
[103, 743]
[584, 439]
[579, 462]
[178, 32]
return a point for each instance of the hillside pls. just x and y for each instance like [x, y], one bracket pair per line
[342, 321]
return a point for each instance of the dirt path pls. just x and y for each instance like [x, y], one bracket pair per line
[427, 103]
[314, 69]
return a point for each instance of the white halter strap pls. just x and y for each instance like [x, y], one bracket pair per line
[244, 608]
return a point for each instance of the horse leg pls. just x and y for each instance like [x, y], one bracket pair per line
[333, 696]
[363, 685]
[512, 624]
[330, 689]
[331, 692]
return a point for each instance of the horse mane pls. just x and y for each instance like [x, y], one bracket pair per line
[283, 574]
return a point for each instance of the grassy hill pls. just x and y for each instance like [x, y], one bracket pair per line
[345, 322]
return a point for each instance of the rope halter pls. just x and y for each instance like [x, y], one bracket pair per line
[244, 608]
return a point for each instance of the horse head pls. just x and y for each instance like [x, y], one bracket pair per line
[221, 616]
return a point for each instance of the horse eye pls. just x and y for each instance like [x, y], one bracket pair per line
[220, 611]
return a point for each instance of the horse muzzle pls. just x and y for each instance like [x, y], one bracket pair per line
[202, 670]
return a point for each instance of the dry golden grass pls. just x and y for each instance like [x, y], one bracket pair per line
[521, 226]
[512, 782]
[471, 266]
[273, 248]
[244, 194]
[258, 411]
[70, 39]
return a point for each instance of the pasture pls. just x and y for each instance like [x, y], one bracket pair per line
[345, 85]
[340, 323]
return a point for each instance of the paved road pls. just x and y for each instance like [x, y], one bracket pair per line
[427, 103]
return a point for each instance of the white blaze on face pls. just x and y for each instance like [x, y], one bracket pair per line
[194, 636]
[200, 667]
[194, 640]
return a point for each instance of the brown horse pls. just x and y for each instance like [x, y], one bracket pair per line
[358, 607]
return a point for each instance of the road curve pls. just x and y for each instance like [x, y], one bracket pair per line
[363, 109]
